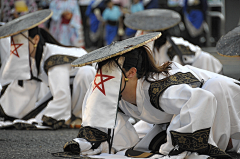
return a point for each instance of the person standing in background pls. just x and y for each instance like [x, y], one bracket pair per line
[66, 22]
[83, 5]
[94, 25]
[150, 4]
[14, 8]
[111, 16]
[194, 14]
[135, 7]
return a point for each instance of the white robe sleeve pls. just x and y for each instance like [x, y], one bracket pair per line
[208, 62]
[125, 135]
[203, 60]
[194, 109]
[17, 100]
[59, 84]
[81, 84]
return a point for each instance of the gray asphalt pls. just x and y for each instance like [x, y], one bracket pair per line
[28, 144]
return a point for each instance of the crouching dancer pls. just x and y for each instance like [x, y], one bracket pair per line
[35, 57]
[195, 112]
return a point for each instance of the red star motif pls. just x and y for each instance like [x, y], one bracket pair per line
[101, 81]
[16, 46]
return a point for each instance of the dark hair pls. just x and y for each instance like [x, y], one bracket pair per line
[45, 37]
[162, 40]
[142, 59]
[107, 1]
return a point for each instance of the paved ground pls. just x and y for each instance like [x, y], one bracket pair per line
[41, 143]
[30, 144]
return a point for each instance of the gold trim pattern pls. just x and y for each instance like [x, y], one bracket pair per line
[196, 142]
[157, 88]
[72, 146]
[184, 49]
[53, 123]
[216, 152]
[227, 55]
[137, 154]
[57, 60]
[92, 134]
[119, 53]
[25, 126]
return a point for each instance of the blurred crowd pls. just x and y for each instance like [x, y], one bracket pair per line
[95, 23]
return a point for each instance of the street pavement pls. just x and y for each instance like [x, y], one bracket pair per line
[34, 144]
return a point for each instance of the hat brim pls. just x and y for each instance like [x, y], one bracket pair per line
[115, 49]
[24, 23]
[229, 44]
[152, 20]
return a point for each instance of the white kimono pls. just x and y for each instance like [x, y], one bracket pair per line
[201, 59]
[214, 106]
[17, 101]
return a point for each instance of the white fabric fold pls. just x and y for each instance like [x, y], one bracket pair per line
[17, 66]
[102, 98]
[84, 145]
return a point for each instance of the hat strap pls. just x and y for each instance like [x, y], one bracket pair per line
[124, 80]
[32, 77]
[27, 38]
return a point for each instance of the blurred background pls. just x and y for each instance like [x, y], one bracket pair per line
[86, 21]
[220, 16]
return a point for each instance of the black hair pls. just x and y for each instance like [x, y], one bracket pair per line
[45, 37]
[162, 40]
[38, 56]
[140, 58]
[107, 1]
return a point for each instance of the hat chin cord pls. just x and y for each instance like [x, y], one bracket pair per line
[110, 140]
[125, 77]
[35, 47]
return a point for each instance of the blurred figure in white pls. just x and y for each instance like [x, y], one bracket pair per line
[66, 24]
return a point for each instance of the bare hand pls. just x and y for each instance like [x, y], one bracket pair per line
[67, 15]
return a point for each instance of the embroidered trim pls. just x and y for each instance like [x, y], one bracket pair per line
[53, 123]
[195, 142]
[92, 135]
[216, 152]
[157, 88]
[184, 49]
[25, 126]
[137, 154]
[72, 146]
[57, 60]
